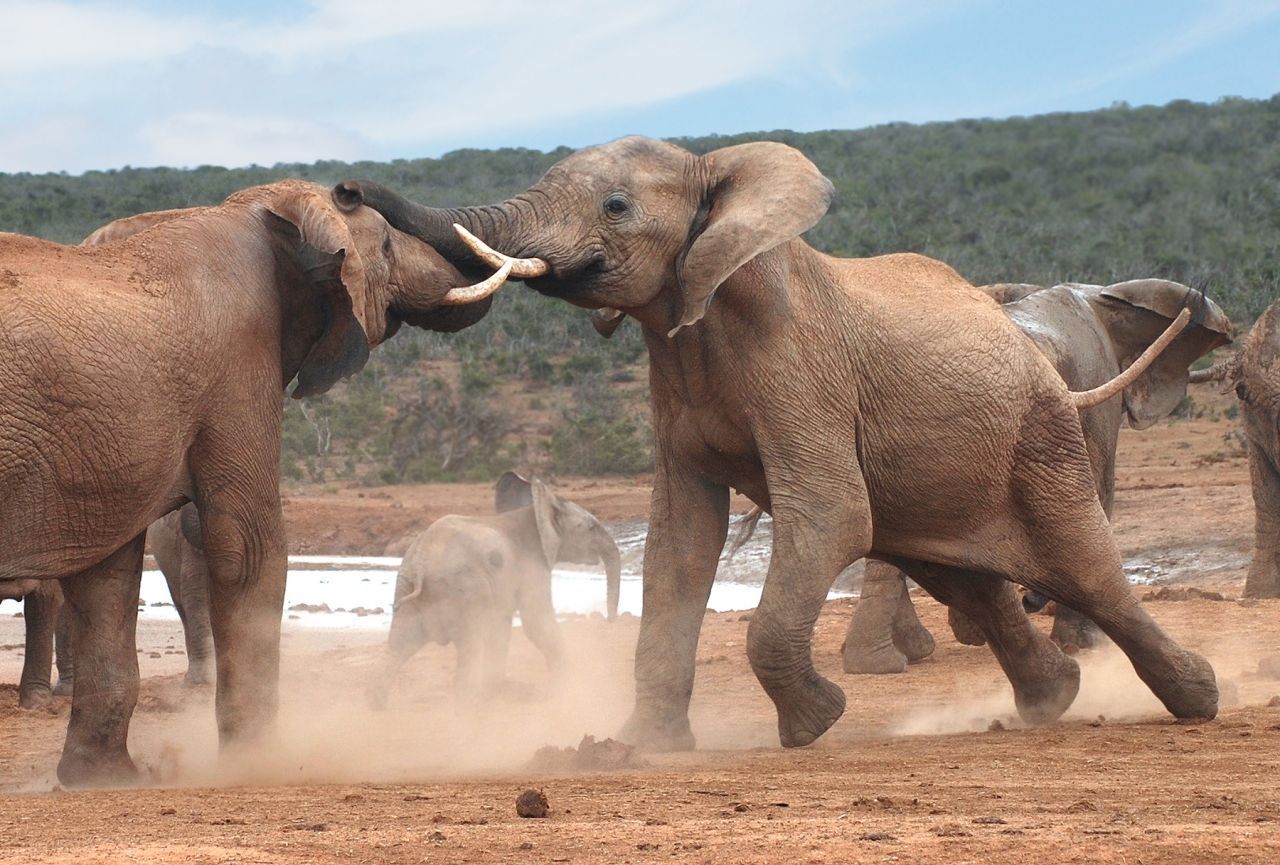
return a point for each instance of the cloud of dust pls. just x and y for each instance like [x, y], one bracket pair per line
[326, 732]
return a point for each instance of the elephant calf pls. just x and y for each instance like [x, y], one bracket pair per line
[464, 578]
[1253, 372]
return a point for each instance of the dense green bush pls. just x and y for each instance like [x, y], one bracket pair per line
[1185, 191]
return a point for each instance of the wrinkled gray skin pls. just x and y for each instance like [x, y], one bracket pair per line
[145, 373]
[1253, 372]
[1090, 333]
[464, 578]
[877, 407]
[174, 541]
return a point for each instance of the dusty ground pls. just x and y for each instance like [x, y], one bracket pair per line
[912, 773]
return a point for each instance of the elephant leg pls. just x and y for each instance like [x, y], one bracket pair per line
[869, 646]
[191, 599]
[239, 505]
[811, 545]
[1073, 631]
[468, 677]
[538, 620]
[1045, 681]
[689, 520]
[41, 610]
[965, 629]
[103, 601]
[497, 642]
[1264, 571]
[64, 652]
[909, 634]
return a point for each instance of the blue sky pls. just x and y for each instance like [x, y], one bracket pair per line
[106, 84]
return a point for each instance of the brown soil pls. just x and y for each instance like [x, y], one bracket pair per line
[931, 766]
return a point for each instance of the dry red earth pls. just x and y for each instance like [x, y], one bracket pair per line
[928, 767]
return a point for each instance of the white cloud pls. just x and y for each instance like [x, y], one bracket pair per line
[41, 35]
[204, 138]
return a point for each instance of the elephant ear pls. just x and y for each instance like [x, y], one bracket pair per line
[325, 252]
[1134, 313]
[758, 196]
[511, 492]
[546, 512]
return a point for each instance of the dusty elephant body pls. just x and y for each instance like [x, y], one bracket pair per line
[166, 353]
[878, 407]
[1090, 333]
[1253, 372]
[464, 578]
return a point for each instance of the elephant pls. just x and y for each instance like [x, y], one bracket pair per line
[41, 605]
[464, 578]
[1253, 372]
[880, 407]
[146, 373]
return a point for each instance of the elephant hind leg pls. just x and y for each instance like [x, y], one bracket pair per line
[41, 609]
[1045, 681]
[103, 601]
[870, 643]
[909, 634]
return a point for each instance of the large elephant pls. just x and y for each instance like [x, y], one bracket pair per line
[1089, 333]
[146, 373]
[464, 578]
[1253, 372]
[878, 407]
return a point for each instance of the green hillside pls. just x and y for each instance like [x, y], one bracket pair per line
[1185, 191]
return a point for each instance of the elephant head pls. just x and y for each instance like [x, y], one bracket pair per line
[569, 533]
[638, 226]
[352, 277]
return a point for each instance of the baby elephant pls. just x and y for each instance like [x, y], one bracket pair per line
[464, 578]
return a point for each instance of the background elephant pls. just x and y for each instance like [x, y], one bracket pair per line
[41, 605]
[1089, 333]
[464, 578]
[877, 407]
[145, 373]
[1253, 372]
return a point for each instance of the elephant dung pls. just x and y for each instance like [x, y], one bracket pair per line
[532, 803]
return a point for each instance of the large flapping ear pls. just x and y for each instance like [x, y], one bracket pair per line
[327, 256]
[1134, 313]
[511, 492]
[758, 196]
[546, 512]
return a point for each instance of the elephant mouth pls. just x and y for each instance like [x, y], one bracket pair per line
[576, 282]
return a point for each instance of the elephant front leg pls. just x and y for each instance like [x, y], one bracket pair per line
[246, 558]
[41, 610]
[813, 540]
[688, 523]
[103, 604]
[1264, 571]
[869, 645]
[192, 602]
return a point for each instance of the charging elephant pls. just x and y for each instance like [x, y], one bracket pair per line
[1089, 333]
[1253, 372]
[879, 407]
[146, 373]
[464, 578]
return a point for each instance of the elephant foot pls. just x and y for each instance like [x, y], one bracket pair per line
[1075, 632]
[915, 642]
[33, 698]
[197, 677]
[875, 661]
[1194, 691]
[64, 687]
[965, 629]
[84, 768]
[809, 712]
[650, 733]
[1051, 692]
[1262, 582]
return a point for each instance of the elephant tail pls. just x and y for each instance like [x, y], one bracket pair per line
[1089, 398]
[746, 528]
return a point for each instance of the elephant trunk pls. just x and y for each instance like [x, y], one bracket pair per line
[608, 552]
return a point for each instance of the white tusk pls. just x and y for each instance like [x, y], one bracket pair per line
[522, 268]
[479, 291]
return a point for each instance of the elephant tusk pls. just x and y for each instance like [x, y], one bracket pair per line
[479, 291]
[521, 268]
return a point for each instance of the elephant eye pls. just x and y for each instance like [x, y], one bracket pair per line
[1242, 392]
[616, 204]
[386, 246]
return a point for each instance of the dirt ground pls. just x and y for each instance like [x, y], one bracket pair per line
[927, 767]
